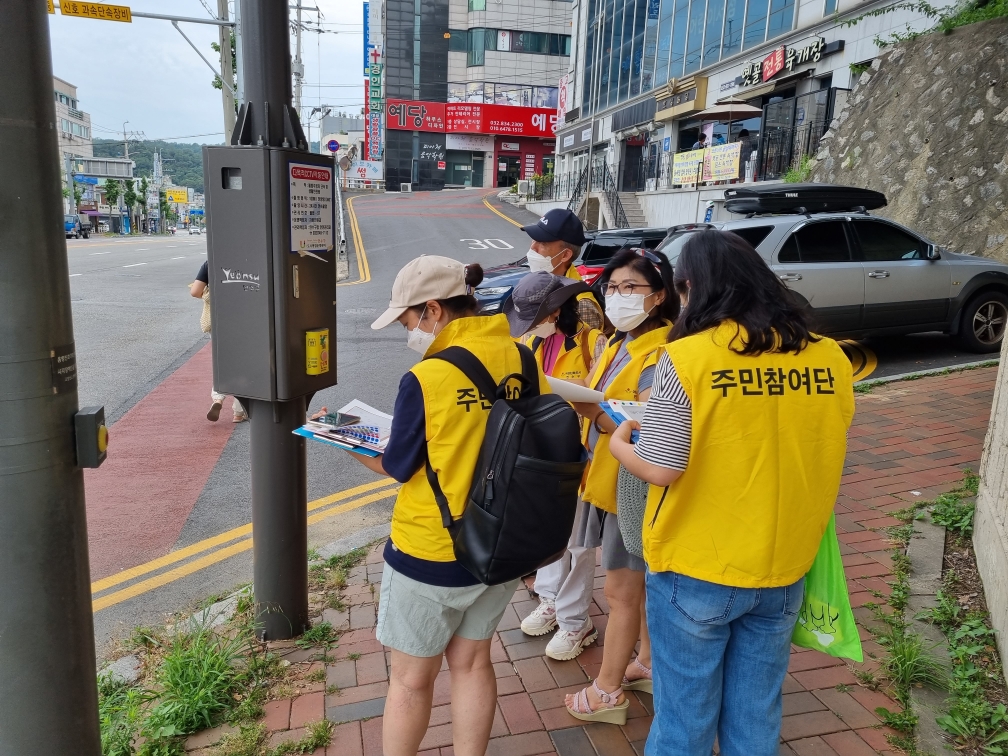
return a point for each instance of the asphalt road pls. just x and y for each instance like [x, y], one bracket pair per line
[138, 345]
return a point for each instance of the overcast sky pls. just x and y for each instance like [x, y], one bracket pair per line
[146, 73]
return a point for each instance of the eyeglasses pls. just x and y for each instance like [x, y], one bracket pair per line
[624, 289]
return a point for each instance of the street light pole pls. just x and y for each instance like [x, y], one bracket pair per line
[226, 69]
[48, 693]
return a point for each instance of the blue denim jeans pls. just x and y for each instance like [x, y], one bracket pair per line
[719, 658]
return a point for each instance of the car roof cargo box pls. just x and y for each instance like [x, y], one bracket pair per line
[801, 198]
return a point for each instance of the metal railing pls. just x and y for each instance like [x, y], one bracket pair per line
[554, 187]
[602, 182]
[781, 148]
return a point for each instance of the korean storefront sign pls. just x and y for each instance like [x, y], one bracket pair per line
[781, 58]
[686, 166]
[718, 163]
[721, 163]
[472, 118]
[375, 108]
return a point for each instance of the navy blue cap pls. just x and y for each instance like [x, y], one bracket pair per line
[558, 225]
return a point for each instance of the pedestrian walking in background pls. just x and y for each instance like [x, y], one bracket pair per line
[743, 443]
[430, 606]
[543, 312]
[557, 239]
[641, 304]
[200, 289]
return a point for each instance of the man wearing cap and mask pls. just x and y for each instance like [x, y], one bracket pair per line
[557, 239]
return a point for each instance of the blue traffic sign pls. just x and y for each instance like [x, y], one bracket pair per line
[332, 145]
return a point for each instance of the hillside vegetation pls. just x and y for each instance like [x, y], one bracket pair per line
[183, 162]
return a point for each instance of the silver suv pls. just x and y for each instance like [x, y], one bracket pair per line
[862, 275]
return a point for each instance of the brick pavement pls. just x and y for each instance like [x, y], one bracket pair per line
[910, 439]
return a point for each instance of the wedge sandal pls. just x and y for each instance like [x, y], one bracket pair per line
[643, 684]
[609, 711]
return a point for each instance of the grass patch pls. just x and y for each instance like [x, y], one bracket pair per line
[247, 741]
[800, 171]
[953, 510]
[318, 736]
[943, 20]
[322, 634]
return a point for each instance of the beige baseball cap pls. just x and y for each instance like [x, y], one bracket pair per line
[425, 278]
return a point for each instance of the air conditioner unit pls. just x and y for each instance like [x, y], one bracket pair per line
[523, 187]
[405, 187]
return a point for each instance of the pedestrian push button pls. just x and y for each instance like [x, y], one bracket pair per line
[92, 436]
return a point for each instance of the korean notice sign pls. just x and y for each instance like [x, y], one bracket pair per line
[311, 209]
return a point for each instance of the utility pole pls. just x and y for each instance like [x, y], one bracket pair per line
[298, 65]
[48, 692]
[226, 69]
[125, 142]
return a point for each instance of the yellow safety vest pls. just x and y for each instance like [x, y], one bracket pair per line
[456, 417]
[575, 358]
[599, 487]
[767, 451]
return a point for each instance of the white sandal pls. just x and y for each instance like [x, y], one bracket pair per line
[610, 711]
[643, 684]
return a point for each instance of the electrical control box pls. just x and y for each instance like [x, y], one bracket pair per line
[271, 252]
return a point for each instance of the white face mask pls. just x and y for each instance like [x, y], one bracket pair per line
[626, 313]
[544, 330]
[419, 341]
[537, 262]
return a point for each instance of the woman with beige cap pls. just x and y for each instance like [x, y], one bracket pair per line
[430, 606]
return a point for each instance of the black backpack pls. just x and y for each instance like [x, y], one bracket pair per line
[521, 506]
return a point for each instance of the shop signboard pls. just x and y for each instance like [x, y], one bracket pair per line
[562, 99]
[431, 150]
[686, 166]
[472, 118]
[367, 170]
[785, 57]
[470, 142]
[530, 167]
[721, 163]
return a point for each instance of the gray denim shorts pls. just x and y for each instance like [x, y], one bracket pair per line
[420, 619]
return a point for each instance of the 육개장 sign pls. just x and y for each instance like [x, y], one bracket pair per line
[100, 11]
[311, 209]
[686, 166]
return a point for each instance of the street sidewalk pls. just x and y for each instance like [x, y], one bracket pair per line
[909, 440]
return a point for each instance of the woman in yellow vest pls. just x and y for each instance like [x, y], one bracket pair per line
[543, 311]
[641, 303]
[743, 442]
[430, 606]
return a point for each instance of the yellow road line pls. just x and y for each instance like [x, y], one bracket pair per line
[493, 209]
[222, 538]
[362, 261]
[863, 360]
[220, 555]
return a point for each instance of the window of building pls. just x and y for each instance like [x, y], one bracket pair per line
[477, 47]
[679, 38]
[474, 92]
[637, 51]
[544, 97]
[664, 47]
[781, 17]
[458, 39]
[694, 36]
[734, 19]
[650, 43]
[755, 26]
[612, 94]
[477, 5]
[829, 7]
[713, 31]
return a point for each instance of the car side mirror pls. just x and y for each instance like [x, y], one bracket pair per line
[933, 253]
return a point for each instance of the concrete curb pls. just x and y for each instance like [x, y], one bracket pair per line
[926, 552]
[931, 371]
[354, 541]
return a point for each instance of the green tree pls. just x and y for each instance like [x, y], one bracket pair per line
[112, 191]
[130, 199]
[217, 84]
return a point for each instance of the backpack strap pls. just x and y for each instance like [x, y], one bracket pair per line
[536, 342]
[439, 497]
[476, 371]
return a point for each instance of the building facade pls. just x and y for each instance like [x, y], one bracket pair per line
[470, 90]
[76, 149]
[649, 77]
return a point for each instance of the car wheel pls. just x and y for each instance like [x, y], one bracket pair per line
[984, 318]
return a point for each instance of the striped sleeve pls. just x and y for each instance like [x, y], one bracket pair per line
[668, 421]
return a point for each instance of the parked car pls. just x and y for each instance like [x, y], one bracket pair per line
[862, 275]
[590, 262]
[72, 227]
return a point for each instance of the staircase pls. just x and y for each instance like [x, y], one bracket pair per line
[634, 214]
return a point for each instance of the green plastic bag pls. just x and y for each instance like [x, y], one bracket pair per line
[825, 621]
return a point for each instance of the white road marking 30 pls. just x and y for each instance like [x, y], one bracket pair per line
[487, 244]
